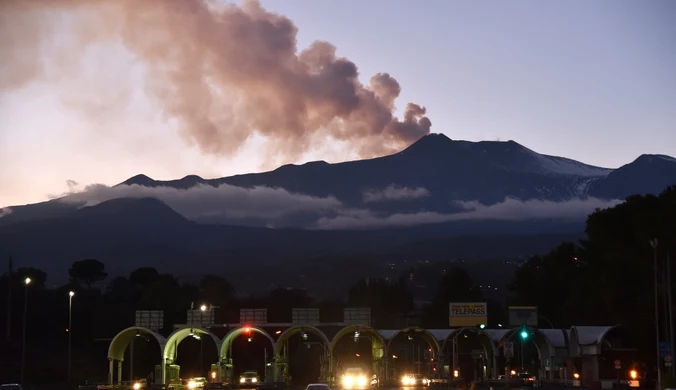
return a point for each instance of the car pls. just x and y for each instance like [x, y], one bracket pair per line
[415, 380]
[249, 378]
[354, 378]
[527, 380]
[197, 383]
[11, 386]
[318, 386]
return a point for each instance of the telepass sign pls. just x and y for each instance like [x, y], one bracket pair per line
[467, 314]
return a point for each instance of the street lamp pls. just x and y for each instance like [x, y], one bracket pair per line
[654, 243]
[23, 342]
[203, 308]
[71, 294]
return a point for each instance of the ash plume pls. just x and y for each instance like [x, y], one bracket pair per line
[221, 72]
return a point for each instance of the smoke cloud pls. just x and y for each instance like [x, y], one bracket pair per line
[220, 72]
[393, 192]
[5, 211]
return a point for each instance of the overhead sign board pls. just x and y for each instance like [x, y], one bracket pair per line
[201, 318]
[523, 315]
[300, 316]
[467, 314]
[253, 316]
[150, 319]
[357, 315]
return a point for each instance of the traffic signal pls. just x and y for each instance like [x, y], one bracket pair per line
[481, 326]
[524, 333]
[247, 332]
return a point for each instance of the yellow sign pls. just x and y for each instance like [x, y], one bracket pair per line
[467, 314]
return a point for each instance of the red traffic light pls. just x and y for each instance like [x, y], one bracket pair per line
[247, 330]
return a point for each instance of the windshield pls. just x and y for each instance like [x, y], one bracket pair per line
[250, 374]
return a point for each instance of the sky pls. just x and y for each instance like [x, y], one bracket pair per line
[589, 80]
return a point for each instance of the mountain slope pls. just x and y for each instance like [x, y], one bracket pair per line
[648, 174]
[129, 233]
[434, 174]
[449, 170]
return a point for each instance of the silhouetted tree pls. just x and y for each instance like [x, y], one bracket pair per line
[456, 286]
[387, 300]
[548, 282]
[142, 277]
[88, 271]
[38, 277]
[216, 290]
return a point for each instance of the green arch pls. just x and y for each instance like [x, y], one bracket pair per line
[377, 341]
[426, 335]
[171, 346]
[295, 330]
[539, 339]
[121, 340]
[231, 335]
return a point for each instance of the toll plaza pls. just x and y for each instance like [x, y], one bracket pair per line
[472, 352]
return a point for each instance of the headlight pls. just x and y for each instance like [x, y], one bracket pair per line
[192, 384]
[348, 381]
[137, 386]
[241, 380]
[361, 381]
[254, 380]
[405, 381]
[424, 381]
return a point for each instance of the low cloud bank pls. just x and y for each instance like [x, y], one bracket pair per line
[276, 207]
[393, 192]
[510, 209]
[224, 204]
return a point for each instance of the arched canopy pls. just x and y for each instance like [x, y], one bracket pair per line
[295, 330]
[591, 335]
[120, 342]
[487, 338]
[234, 333]
[171, 347]
[539, 338]
[557, 337]
[424, 333]
[377, 341]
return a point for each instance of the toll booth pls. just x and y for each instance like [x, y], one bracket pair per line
[173, 373]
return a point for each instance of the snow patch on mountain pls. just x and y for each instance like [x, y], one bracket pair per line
[566, 166]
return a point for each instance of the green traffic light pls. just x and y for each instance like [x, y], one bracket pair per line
[482, 326]
[524, 334]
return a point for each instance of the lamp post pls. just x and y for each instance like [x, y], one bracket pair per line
[654, 243]
[203, 308]
[70, 329]
[23, 342]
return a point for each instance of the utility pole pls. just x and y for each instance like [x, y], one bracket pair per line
[9, 302]
[671, 311]
[654, 243]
